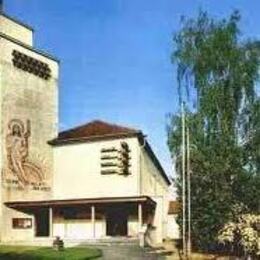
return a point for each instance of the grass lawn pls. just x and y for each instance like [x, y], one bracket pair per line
[33, 253]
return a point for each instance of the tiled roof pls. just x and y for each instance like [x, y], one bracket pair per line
[174, 207]
[94, 130]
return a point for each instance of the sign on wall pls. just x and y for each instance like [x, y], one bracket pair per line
[22, 223]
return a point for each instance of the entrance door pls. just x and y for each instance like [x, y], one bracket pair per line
[42, 223]
[116, 221]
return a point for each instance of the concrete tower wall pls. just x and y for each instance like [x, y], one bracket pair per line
[28, 119]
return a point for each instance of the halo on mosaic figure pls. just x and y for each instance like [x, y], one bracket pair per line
[17, 122]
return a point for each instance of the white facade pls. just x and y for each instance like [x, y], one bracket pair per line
[78, 166]
[59, 190]
[78, 175]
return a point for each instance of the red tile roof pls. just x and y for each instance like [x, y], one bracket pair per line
[99, 130]
[94, 130]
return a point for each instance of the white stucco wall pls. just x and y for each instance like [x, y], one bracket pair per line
[77, 171]
[132, 226]
[78, 228]
[8, 233]
[15, 30]
[24, 96]
[173, 229]
[153, 185]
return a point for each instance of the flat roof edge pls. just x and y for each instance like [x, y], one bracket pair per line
[46, 55]
[79, 201]
[17, 21]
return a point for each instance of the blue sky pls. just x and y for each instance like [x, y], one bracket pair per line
[115, 56]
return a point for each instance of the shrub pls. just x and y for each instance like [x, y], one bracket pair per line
[242, 235]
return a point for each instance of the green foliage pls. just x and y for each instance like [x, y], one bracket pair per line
[219, 72]
[33, 253]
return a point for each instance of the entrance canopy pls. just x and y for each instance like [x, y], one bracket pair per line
[88, 217]
[145, 200]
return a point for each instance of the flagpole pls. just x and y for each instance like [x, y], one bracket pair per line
[188, 193]
[183, 182]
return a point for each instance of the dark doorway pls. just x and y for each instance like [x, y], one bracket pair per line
[116, 220]
[42, 223]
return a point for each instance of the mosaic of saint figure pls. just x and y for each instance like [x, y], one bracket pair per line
[17, 147]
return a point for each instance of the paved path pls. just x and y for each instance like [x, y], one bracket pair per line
[127, 252]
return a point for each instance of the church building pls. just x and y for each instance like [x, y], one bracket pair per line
[96, 181]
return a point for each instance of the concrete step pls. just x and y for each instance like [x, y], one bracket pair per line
[104, 242]
[159, 250]
[75, 242]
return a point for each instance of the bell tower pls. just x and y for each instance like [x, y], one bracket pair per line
[28, 120]
[28, 112]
